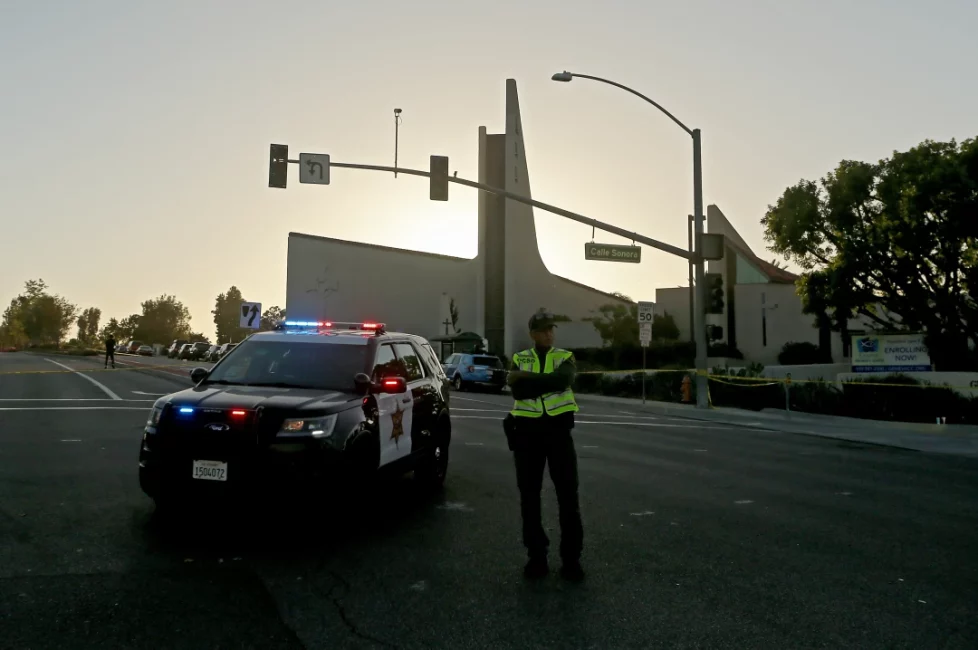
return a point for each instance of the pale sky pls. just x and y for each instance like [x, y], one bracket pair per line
[136, 133]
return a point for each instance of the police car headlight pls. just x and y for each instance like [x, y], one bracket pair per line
[318, 427]
[154, 415]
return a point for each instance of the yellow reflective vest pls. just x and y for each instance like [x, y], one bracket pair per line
[551, 403]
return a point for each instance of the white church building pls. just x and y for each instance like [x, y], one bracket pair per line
[495, 293]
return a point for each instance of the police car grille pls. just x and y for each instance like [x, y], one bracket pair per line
[210, 434]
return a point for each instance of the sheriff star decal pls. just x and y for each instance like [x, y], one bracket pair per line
[397, 418]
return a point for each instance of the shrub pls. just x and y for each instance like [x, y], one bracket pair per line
[907, 401]
[657, 355]
[802, 353]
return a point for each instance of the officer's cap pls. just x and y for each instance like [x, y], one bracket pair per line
[542, 320]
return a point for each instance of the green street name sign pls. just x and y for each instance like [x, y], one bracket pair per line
[612, 253]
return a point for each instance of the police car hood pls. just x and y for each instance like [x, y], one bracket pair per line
[251, 397]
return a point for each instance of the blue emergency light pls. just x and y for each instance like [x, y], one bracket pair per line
[186, 409]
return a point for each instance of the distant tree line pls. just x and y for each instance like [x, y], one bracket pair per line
[38, 317]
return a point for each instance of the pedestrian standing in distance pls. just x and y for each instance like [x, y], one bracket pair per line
[538, 430]
[110, 351]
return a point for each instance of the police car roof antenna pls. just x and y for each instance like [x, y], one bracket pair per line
[397, 124]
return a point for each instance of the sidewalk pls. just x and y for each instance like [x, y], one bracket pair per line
[955, 439]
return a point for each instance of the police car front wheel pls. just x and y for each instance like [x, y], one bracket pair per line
[433, 467]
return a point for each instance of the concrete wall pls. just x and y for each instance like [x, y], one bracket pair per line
[785, 321]
[675, 301]
[346, 281]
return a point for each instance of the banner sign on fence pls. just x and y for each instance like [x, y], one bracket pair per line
[890, 353]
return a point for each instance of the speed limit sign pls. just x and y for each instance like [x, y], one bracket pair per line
[646, 310]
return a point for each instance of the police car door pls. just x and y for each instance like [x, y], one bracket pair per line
[396, 412]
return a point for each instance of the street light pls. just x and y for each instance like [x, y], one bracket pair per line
[699, 324]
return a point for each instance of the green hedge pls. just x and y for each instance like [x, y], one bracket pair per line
[661, 354]
[905, 400]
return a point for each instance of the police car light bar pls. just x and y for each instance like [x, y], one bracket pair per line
[312, 324]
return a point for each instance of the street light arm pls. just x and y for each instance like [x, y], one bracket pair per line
[637, 94]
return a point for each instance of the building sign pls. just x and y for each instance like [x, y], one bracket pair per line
[612, 253]
[890, 353]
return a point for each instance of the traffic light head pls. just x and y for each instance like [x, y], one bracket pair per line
[278, 165]
[714, 291]
[438, 181]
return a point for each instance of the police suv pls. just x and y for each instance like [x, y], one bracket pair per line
[310, 401]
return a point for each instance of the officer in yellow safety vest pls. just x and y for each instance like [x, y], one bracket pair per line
[539, 432]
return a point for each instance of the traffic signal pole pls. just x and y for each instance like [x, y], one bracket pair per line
[567, 214]
[699, 325]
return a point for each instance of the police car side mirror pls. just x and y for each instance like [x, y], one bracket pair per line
[393, 385]
[197, 375]
[363, 382]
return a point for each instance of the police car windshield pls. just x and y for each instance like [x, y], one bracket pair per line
[292, 364]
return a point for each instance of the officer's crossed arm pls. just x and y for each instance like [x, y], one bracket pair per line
[529, 385]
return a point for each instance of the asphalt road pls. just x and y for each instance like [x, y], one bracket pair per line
[697, 536]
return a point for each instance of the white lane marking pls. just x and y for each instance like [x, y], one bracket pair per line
[139, 392]
[72, 408]
[589, 446]
[71, 440]
[480, 401]
[699, 450]
[844, 494]
[474, 444]
[743, 502]
[455, 505]
[617, 423]
[584, 413]
[646, 513]
[105, 389]
[68, 399]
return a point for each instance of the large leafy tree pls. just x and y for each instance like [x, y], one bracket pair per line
[895, 242]
[126, 329]
[227, 315]
[271, 318]
[88, 324]
[617, 323]
[163, 319]
[664, 327]
[112, 327]
[38, 317]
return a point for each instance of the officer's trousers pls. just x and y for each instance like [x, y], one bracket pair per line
[553, 447]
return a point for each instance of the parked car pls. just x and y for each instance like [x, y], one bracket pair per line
[197, 350]
[145, 350]
[133, 346]
[184, 351]
[174, 348]
[224, 349]
[470, 370]
[210, 354]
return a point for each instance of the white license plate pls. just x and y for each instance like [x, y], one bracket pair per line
[210, 470]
